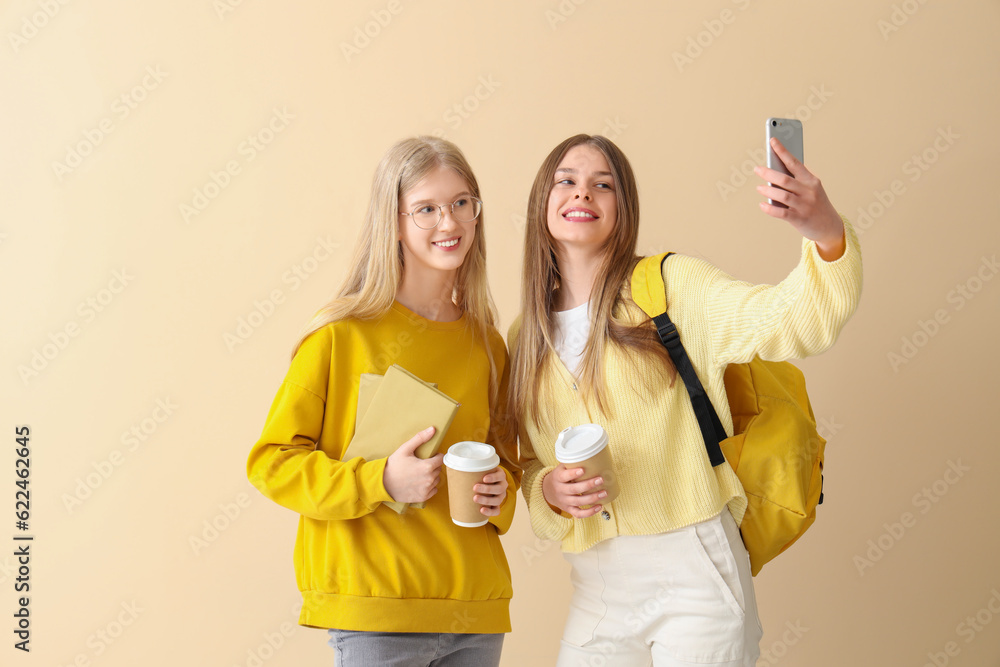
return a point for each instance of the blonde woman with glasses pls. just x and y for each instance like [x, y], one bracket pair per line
[660, 574]
[399, 589]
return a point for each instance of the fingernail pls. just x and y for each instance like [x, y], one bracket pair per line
[598, 481]
[602, 494]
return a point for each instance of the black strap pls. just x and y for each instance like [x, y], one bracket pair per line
[711, 427]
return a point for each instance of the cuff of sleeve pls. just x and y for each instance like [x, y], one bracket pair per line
[845, 272]
[546, 522]
[852, 250]
[503, 520]
[370, 486]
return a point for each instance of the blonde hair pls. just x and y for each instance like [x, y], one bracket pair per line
[540, 279]
[376, 269]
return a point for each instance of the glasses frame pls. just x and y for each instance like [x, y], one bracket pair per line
[440, 208]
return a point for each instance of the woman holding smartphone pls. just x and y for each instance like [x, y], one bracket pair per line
[660, 574]
[414, 588]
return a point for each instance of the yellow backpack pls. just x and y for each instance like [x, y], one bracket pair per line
[775, 448]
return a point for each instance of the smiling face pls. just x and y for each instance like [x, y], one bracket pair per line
[443, 248]
[583, 205]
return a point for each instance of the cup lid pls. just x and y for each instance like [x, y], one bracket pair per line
[471, 456]
[579, 443]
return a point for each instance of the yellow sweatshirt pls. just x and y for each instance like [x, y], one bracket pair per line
[359, 564]
[665, 477]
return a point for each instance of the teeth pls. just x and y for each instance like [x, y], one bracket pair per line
[578, 214]
[448, 244]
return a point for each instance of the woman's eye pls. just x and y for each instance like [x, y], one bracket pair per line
[565, 181]
[606, 186]
[459, 203]
[424, 210]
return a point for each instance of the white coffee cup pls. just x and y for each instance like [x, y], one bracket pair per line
[586, 446]
[466, 463]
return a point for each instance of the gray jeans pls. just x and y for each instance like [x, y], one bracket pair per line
[415, 649]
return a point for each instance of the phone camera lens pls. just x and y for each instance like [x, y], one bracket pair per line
[774, 123]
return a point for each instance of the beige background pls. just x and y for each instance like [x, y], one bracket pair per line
[93, 184]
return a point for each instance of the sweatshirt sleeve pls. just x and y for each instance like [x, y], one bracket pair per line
[505, 441]
[286, 464]
[800, 316]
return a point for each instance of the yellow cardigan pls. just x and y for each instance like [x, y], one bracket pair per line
[359, 565]
[664, 473]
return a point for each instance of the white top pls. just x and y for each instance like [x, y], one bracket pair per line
[572, 327]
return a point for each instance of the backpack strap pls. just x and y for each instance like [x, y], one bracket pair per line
[649, 293]
[648, 290]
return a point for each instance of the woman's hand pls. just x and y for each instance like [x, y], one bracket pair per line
[491, 492]
[410, 479]
[809, 209]
[562, 489]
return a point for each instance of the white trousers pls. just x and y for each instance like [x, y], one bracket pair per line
[669, 600]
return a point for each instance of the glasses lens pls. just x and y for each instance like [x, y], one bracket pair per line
[426, 216]
[466, 209]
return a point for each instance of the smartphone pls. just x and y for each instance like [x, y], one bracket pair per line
[789, 133]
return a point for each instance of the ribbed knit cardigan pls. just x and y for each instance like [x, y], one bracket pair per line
[665, 476]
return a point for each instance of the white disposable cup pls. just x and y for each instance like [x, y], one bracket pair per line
[466, 463]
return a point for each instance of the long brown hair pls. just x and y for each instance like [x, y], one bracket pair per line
[541, 277]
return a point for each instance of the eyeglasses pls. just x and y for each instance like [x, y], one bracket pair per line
[428, 216]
